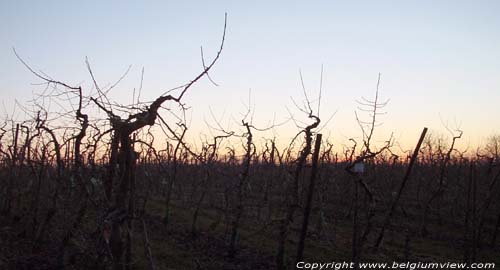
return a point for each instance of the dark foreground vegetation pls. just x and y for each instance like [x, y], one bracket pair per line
[94, 192]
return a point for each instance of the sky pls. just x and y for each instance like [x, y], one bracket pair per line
[439, 60]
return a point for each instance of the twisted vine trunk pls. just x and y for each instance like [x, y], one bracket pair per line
[240, 200]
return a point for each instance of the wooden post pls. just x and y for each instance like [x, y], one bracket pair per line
[401, 187]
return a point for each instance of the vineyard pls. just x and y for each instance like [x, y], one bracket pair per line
[101, 185]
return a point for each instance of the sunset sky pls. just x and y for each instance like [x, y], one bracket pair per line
[439, 60]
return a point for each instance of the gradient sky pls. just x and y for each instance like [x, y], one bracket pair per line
[439, 60]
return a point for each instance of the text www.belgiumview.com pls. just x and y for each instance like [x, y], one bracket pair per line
[394, 265]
